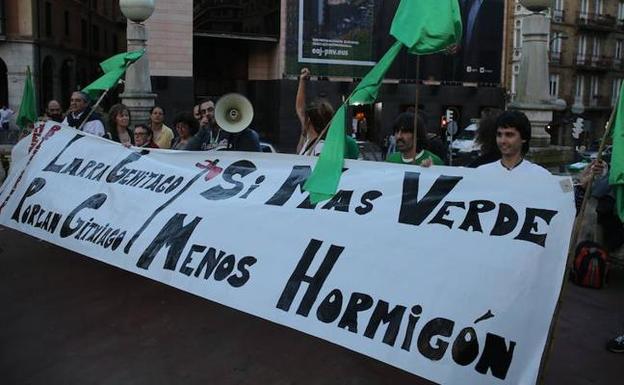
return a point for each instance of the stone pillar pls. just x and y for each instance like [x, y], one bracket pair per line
[138, 94]
[532, 95]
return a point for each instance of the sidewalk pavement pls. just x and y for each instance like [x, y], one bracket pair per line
[68, 319]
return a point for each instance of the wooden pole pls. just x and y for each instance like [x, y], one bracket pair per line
[416, 103]
[573, 240]
[92, 110]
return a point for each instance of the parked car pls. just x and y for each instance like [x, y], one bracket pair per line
[465, 142]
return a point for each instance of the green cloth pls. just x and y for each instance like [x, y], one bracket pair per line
[323, 182]
[352, 151]
[27, 111]
[616, 175]
[427, 26]
[114, 68]
[396, 157]
[366, 92]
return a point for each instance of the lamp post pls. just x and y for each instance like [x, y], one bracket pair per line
[138, 94]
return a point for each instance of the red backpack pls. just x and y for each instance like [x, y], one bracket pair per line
[590, 265]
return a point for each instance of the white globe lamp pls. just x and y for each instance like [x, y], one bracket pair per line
[137, 10]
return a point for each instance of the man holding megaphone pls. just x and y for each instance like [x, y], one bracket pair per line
[225, 126]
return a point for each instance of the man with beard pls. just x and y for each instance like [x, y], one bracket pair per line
[408, 152]
[211, 137]
[54, 112]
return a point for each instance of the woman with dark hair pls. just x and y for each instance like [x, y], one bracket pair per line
[119, 123]
[186, 126]
[163, 135]
[486, 138]
[314, 117]
[408, 153]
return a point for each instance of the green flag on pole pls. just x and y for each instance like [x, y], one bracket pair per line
[114, 68]
[616, 175]
[27, 111]
[427, 26]
[424, 27]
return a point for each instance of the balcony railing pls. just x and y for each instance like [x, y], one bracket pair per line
[619, 24]
[558, 16]
[618, 64]
[594, 62]
[599, 101]
[555, 57]
[599, 22]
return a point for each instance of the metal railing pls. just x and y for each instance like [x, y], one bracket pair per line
[596, 62]
[595, 20]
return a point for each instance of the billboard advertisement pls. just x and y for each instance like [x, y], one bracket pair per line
[336, 32]
[347, 37]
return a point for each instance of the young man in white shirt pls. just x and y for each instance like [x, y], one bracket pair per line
[512, 138]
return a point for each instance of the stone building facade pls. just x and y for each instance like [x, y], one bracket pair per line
[62, 41]
[586, 53]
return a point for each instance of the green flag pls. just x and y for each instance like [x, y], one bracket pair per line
[366, 92]
[27, 111]
[114, 68]
[323, 182]
[427, 26]
[616, 175]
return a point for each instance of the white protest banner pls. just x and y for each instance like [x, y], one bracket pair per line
[449, 273]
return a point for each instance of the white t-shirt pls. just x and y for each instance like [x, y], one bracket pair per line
[317, 148]
[94, 127]
[524, 168]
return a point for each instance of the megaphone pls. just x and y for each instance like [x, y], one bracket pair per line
[233, 113]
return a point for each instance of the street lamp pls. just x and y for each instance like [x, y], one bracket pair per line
[138, 94]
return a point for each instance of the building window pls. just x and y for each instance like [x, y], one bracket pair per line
[619, 46]
[66, 19]
[555, 47]
[48, 19]
[581, 50]
[558, 15]
[96, 37]
[2, 18]
[615, 91]
[580, 89]
[84, 34]
[596, 50]
[584, 9]
[620, 13]
[594, 86]
[598, 7]
[554, 85]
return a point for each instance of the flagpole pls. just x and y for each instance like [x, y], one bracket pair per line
[573, 241]
[416, 103]
[92, 110]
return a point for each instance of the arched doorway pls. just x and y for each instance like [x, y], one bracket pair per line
[47, 80]
[4, 84]
[66, 82]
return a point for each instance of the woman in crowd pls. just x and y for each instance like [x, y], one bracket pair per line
[163, 135]
[143, 136]
[314, 118]
[186, 126]
[119, 124]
